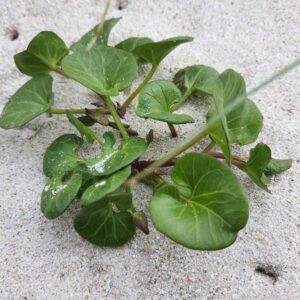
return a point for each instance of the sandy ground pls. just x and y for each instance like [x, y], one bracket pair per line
[41, 259]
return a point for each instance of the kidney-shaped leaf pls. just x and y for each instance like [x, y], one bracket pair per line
[58, 195]
[155, 52]
[102, 39]
[133, 42]
[244, 120]
[60, 157]
[105, 70]
[31, 100]
[129, 150]
[205, 208]
[105, 186]
[101, 225]
[155, 102]
[197, 78]
[43, 53]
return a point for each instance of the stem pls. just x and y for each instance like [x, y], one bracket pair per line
[136, 92]
[173, 130]
[209, 147]
[171, 155]
[182, 100]
[60, 71]
[115, 116]
[78, 111]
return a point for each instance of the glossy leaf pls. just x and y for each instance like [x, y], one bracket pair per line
[155, 102]
[197, 78]
[133, 42]
[58, 195]
[129, 150]
[102, 38]
[60, 157]
[205, 208]
[84, 130]
[105, 186]
[155, 52]
[259, 159]
[101, 225]
[33, 99]
[105, 70]
[43, 54]
[244, 122]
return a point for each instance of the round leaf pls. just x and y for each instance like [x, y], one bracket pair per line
[101, 225]
[105, 186]
[60, 156]
[155, 102]
[105, 70]
[129, 150]
[58, 195]
[198, 78]
[31, 100]
[205, 209]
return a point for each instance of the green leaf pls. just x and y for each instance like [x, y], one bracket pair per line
[259, 159]
[109, 142]
[205, 208]
[43, 53]
[220, 133]
[105, 70]
[101, 225]
[133, 42]
[277, 166]
[31, 100]
[58, 195]
[155, 102]
[105, 186]
[244, 122]
[102, 39]
[129, 150]
[84, 130]
[60, 156]
[197, 78]
[155, 52]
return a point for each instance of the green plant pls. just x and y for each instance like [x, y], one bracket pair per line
[205, 206]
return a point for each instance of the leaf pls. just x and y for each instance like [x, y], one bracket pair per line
[197, 78]
[84, 130]
[31, 100]
[102, 38]
[101, 225]
[155, 52]
[244, 122]
[133, 42]
[205, 208]
[129, 150]
[155, 102]
[220, 133]
[60, 157]
[109, 142]
[105, 186]
[277, 166]
[259, 159]
[105, 70]
[58, 195]
[43, 53]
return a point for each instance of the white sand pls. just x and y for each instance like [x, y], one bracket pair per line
[41, 259]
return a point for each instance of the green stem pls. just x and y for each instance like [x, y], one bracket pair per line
[209, 147]
[182, 100]
[137, 91]
[171, 155]
[78, 111]
[116, 117]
